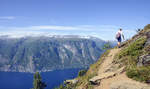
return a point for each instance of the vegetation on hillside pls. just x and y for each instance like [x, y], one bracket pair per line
[129, 56]
[82, 73]
[107, 45]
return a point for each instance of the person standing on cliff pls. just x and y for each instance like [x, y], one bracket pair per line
[119, 36]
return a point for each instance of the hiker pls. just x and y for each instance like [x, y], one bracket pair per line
[119, 36]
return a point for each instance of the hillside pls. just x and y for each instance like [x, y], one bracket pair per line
[43, 53]
[127, 67]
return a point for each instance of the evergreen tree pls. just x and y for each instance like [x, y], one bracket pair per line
[38, 84]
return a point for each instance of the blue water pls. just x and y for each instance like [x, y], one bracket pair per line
[17, 80]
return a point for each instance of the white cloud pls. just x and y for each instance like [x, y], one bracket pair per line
[40, 28]
[106, 32]
[63, 28]
[77, 29]
[7, 17]
[51, 27]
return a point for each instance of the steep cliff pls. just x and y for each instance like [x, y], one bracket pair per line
[127, 67]
[30, 54]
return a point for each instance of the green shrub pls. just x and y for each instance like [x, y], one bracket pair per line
[107, 46]
[139, 73]
[82, 72]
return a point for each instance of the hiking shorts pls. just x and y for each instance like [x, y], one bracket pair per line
[119, 39]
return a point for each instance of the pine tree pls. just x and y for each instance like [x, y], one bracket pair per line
[38, 84]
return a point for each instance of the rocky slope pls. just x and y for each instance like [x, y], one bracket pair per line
[127, 67]
[30, 54]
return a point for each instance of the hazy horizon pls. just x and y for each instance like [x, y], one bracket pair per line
[99, 18]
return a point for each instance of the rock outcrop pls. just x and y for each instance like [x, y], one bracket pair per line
[144, 60]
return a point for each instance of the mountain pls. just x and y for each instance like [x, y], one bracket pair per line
[127, 67]
[45, 53]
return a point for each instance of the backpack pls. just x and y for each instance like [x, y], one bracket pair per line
[118, 35]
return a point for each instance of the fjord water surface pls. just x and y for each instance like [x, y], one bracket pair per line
[18, 80]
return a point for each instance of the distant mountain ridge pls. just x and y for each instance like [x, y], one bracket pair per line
[43, 53]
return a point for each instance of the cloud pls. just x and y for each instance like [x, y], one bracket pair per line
[7, 17]
[63, 28]
[77, 29]
[46, 28]
[106, 32]
[51, 27]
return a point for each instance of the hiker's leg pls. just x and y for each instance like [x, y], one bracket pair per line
[119, 44]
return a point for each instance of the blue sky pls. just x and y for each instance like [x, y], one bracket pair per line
[100, 18]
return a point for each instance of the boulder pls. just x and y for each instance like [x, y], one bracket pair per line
[97, 79]
[73, 81]
[144, 60]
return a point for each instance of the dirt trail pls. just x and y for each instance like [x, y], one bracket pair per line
[108, 61]
[121, 78]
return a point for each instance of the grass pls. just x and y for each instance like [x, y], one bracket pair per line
[139, 73]
[130, 54]
[129, 57]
